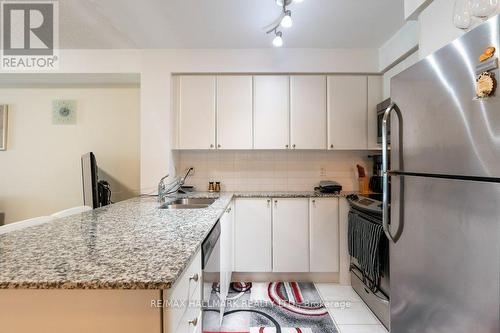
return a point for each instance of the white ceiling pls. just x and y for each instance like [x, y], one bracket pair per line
[225, 23]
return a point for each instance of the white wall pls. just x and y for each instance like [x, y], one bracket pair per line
[40, 173]
[401, 66]
[273, 170]
[399, 45]
[414, 7]
[156, 158]
[436, 26]
[156, 67]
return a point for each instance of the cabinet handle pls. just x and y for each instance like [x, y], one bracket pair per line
[286, 146]
[268, 202]
[314, 202]
[331, 146]
[218, 146]
[293, 146]
[194, 278]
[275, 203]
[193, 322]
[211, 145]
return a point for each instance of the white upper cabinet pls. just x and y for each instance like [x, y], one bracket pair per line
[291, 235]
[196, 116]
[234, 112]
[308, 125]
[324, 234]
[375, 96]
[271, 110]
[276, 112]
[347, 112]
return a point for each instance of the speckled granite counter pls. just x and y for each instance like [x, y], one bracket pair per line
[288, 194]
[128, 245]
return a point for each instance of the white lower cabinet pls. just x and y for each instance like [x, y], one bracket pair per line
[324, 234]
[291, 235]
[299, 234]
[183, 314]
[252, 235]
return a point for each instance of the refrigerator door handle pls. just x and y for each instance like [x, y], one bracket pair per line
[385, 167]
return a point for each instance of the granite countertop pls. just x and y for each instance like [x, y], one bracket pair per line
[128, 245]
[289, 194]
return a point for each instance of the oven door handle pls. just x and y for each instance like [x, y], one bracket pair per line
[385, 168]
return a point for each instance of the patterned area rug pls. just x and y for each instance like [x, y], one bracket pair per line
[276, 307]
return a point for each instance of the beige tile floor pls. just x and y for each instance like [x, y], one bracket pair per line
[350, 314]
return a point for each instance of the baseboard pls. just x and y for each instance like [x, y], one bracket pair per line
[276, 277]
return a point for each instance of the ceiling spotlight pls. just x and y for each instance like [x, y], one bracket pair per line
[286, 21]
[278, 40]
[287, 2]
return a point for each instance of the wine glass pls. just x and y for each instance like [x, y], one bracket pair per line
[462, 14]
[483, 8]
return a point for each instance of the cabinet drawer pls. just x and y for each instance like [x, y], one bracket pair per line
[185, 291]
[190, 321]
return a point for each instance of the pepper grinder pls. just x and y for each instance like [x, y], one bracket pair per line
[217, 186]
[211, 187]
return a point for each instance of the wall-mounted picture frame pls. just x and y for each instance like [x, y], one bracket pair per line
[4, 110]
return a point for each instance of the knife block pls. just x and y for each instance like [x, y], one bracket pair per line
[364, 186]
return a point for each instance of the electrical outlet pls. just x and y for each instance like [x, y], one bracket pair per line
[322, 172]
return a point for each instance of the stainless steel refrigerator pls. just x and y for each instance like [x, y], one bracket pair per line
[445, 191]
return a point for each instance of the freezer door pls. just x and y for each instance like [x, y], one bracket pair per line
[445, 265]
[445, 129]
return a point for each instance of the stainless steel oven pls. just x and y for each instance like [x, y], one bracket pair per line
[380, 116]
[375, 293]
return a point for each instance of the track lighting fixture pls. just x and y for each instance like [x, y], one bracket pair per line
[284, 20]
[278, 39]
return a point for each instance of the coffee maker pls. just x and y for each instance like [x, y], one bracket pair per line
[376, 178]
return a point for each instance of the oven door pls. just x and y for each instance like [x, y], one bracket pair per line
[212, 307]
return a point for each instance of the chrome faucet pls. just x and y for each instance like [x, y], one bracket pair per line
[162, 188]
[170, 188]
[183, 179]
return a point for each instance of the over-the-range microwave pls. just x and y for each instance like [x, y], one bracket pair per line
[380, 116]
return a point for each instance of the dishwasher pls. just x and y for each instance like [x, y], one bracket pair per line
[212, 304]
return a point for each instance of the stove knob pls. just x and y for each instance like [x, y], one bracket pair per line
[353, 197]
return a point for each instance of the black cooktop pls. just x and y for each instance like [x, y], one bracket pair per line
[371, 203]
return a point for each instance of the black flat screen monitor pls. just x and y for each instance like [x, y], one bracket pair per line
[89, 177]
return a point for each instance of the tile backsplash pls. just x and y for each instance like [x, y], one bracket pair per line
[272, 170]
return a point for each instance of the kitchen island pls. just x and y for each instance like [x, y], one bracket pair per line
[119, 263]
[113, 263]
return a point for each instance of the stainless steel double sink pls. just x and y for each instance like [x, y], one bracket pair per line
[188, 203]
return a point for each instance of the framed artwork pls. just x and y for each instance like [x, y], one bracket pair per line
[64, 112]
[4, 109]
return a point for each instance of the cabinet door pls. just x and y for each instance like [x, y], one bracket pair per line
[347, 112]
[271, 109]
[252, 235]
[234, 112]
[324, 234]
[196, 112]
[308, 112]
[291, 235]
[375, 95]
